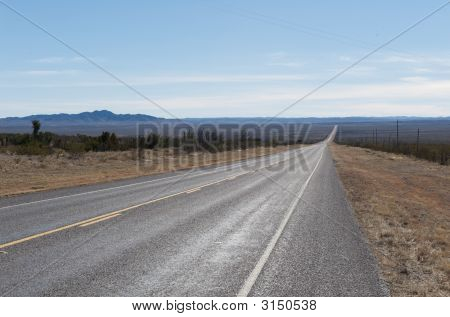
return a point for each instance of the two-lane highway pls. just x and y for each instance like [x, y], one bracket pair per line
[278, 225]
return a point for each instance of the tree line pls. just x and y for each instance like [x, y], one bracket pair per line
[44, 143]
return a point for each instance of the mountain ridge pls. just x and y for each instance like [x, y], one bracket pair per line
[106, 115]
[93, 116]
[93, 123]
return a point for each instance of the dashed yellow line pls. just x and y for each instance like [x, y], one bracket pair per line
[109, 215]
[98, 220]
[46, 233]
[116, 213]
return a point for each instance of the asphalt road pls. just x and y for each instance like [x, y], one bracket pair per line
[273, 226]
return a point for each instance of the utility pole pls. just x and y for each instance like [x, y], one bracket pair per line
[397, 133]
[376, 136]
[417, 143]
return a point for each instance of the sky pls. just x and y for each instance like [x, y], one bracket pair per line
[222, 58]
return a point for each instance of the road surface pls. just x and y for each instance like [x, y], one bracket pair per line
[273, 226]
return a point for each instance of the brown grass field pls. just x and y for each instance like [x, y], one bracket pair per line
[26, 173]
[403, 206]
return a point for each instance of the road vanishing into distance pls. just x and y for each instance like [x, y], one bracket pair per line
[278, 225]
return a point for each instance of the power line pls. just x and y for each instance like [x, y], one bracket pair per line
[311, 31]
[342, 72]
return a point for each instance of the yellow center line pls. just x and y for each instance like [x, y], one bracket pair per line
[112, 214]
[98, 220]
[105, 216]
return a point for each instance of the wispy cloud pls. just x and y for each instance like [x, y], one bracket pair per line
[286, 64]
[410, 97]
[428, 98]
[58, 60]
[400, 59]
[417, 59]
[154, 80]
[49, 72]
[243, 78]
[415, 79]
[345, 58]
[411, 88]
[283, 59]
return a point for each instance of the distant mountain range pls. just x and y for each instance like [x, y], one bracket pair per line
[93, 123]
[84, 117]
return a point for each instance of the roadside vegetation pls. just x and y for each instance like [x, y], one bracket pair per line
[46, 143]
[41, 160]
[402, 205]
[439, 153]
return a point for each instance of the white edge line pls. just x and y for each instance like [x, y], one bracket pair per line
[123, 186]
[251, 279]
[90, 192]
[110, 188]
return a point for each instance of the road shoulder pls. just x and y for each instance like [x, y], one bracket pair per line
[402, 206]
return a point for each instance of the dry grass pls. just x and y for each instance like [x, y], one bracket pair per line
[22, 173]
[403, 205]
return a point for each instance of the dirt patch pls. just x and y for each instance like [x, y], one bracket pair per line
[403, 205]
[23, 173]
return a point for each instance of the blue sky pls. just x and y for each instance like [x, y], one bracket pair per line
[225, 58]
